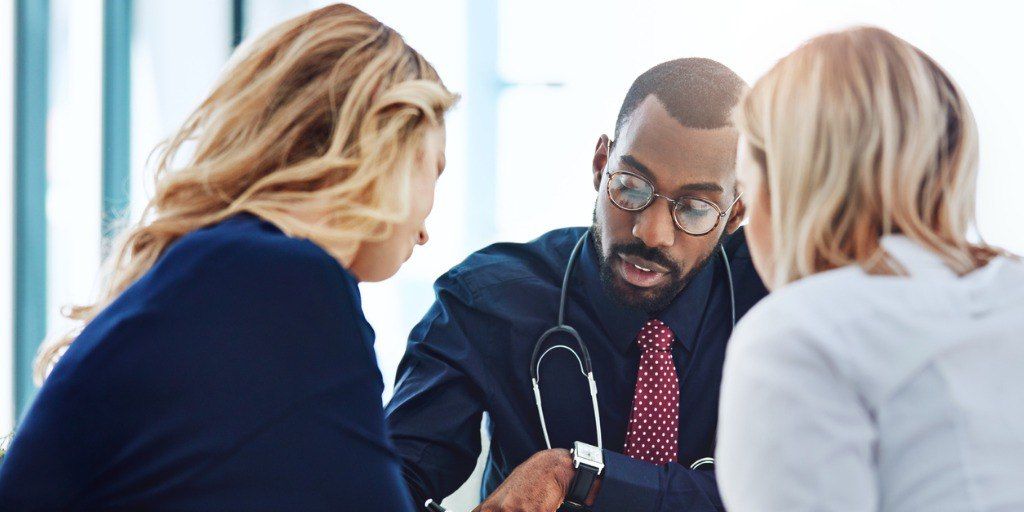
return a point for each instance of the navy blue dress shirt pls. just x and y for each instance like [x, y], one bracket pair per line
[471, 353]
[237, 374]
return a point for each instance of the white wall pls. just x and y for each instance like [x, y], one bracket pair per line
[6, 218]
[178, 50]
[73, 156]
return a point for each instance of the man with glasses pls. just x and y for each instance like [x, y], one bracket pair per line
[649, 296]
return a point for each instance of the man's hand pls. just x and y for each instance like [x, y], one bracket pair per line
[537, 485]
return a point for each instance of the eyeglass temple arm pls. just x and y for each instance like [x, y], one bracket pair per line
[734, 201]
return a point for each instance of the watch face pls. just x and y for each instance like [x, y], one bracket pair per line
[588, 452]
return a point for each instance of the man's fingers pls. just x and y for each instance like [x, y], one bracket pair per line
[514, 505]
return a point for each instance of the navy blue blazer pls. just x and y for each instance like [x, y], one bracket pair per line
[237, 374]
[471, 354]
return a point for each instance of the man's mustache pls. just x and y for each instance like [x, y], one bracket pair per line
[639, 250]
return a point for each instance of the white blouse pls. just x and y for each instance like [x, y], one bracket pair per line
[850, 392]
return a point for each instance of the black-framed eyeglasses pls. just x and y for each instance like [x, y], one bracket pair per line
[693, 215]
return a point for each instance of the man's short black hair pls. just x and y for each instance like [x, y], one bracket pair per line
[697, 92]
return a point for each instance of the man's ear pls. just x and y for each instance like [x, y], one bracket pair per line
[601, 153]
[736, 217]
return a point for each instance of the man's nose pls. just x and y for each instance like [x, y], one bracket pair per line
[654, 225]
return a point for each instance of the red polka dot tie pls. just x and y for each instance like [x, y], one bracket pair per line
[653, 433]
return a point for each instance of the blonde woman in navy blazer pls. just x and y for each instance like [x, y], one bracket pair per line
[227, 364]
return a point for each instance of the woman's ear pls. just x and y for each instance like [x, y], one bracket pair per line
[601, 154]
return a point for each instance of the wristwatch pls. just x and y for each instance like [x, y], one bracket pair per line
[589, 463]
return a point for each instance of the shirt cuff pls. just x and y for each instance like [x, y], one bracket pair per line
[627, 484]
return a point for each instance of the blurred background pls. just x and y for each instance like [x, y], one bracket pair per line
[89, 87]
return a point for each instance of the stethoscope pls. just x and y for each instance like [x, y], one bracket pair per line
[583, 355]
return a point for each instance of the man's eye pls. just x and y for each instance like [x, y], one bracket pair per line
[694, 207]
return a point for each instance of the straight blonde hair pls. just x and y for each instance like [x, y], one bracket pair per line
[862, 135]
[320, 118]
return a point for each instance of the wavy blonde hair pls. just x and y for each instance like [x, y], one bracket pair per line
[861, 135]
[320, 118]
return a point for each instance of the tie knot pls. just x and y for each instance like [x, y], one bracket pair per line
[655, 336]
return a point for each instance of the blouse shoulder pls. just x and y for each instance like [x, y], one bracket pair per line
[256, 256]
[809, 316]
[271, 289]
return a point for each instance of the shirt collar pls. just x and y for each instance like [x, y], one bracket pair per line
[915, 259]
[683, 314]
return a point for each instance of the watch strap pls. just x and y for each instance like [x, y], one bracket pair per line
[581, 484]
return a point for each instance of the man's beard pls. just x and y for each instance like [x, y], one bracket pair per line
[626, 295]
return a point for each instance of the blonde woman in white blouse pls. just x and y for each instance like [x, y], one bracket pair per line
[885, 371]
